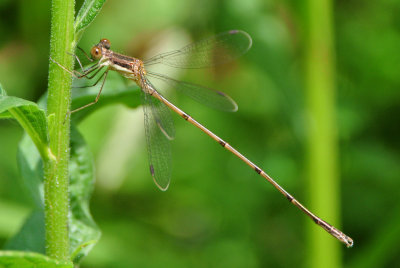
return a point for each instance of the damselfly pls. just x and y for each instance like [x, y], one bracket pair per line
[159, 128]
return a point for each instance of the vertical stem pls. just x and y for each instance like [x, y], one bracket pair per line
[58, 103]
[322, 147]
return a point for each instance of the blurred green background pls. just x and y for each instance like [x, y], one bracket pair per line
[218, 212]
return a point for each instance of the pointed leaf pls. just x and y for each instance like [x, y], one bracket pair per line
[30, 117]
[88, 12]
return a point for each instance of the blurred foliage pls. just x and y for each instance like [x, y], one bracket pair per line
[217, 213]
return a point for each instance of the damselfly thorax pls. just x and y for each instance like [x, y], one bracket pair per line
[130, 67]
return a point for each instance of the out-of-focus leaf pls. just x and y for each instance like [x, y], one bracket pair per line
[31, 235]
[3, 93]
[88, 12]
[84, 232]
[115, 90]
[22, 259]
[5, 114]
[30, 117]
[30, 167]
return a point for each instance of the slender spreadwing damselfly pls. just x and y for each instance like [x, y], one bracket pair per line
[159, 129]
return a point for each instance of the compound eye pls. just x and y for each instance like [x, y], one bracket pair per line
[95, 52]
[106, 43]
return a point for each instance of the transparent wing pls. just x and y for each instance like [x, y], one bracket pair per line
[162, 115]
[157, 139]
[219, 49]
[207, 96]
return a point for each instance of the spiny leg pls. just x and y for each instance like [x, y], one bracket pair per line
[97, 97]
[91, 77]
[75, 73]
[84, 52]
[85, 74]
[79, 61]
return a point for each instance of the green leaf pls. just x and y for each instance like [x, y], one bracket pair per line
[30, 166]
[30, 117]
[88, 12]
[5, 115]
[22, 259]
[84, 233]
[117, 89]
[2, 91]
[31, 236]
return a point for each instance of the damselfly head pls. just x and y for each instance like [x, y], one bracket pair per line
[97, 50]
[105, 43]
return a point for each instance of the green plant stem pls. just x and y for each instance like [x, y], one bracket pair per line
[323, 184]
[58, 104]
